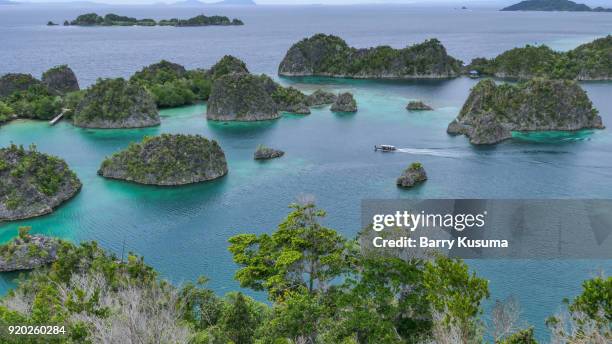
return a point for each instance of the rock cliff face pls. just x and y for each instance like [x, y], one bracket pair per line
[290, 99]
[60, 80]
[14, 82]
[492, 111]
[413, 175]
[167, 160]
[28, 253]
[265, 153]
[320, 97]
[327, 55]
[240, 97]
[116, 103]
[345, 103]
[33, 184]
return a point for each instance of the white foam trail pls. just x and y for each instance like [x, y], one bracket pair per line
[431, 152]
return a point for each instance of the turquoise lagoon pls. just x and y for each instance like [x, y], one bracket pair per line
[183, 231]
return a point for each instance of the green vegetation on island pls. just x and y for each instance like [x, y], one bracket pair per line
[327, 55]
[413, 175]
[111, 19]
[32, 183]
[172, 85]
[23, 96]
[553, 5]
[322, 288]
[167, 160]
[591, 61]
[492, 111]
[116, 103]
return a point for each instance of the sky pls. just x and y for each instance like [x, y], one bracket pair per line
[328, 2]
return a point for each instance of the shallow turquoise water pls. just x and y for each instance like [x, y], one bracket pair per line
[183, 231]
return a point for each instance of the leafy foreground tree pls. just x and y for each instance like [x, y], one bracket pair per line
[326, 290]
[588, 317]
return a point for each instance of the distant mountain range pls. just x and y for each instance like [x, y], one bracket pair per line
[553, 5]
[6, 2]
[193, 3]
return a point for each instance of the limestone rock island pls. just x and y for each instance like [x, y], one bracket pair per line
[492, 111]
[116, 103]
[265, 153]
[418, 106]
[328, 55]
[167, 160]
[32, 183]
[345, 103]
[412, 176]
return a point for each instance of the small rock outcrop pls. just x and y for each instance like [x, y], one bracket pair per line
[345, 103]
[28, 252]
[412, 176]
[32, 183]
[240, 97]
[15, 82]
[320, 97]
[492, 112]
[327, 55]
[167, 160]
[265, 153]
[116, 103]
[60, 80]
[418, 106]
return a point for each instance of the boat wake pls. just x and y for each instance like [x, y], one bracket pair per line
[439, 152]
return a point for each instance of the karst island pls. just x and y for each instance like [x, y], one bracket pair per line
[111, 19]
[33, 183]
[167, 160]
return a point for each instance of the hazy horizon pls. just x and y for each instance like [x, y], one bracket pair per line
[313, 2]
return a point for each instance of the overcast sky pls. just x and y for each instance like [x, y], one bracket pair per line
[330, 2]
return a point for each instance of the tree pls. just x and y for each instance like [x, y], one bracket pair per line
[457, 294]
[201, 307]
[505, 317]
[300, 256]
[240, 319]
[383, 301]
[588, 317]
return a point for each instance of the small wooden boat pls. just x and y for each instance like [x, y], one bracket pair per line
[385, 148]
